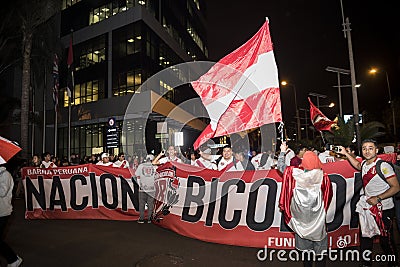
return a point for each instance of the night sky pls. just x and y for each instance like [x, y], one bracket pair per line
[308, 37]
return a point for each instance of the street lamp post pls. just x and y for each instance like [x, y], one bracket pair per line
[373, 71]
[317, 96]
[339, 71]
[356, 113]
[306, 121]
[284, 83]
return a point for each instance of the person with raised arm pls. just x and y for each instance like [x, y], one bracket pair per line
[378, 194]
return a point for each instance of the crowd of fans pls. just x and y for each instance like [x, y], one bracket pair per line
[205, 157]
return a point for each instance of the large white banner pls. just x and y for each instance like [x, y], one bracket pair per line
[237, 208]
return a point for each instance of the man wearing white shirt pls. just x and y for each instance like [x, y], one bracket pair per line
[47, 163]
[379, 191]
[205, 160]
[226, 162]
[121, 162]
[326, 157]
[145, 174]
[105, 160]
[263, 161]
[289, 154]
[170, 155]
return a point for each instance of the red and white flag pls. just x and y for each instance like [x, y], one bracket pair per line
[241, 91]
[319, 120]
[7, 149]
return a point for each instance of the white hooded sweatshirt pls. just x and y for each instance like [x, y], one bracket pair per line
[6, 187]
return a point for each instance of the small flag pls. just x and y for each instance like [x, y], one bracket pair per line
[241, 91]
[56, 84]
[70, 61]
[319, 120]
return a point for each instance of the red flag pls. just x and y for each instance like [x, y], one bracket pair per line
[7, 149]
[318, 119]
[70, 61]
[241, 91]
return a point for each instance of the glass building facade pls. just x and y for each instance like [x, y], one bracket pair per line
[117, 46]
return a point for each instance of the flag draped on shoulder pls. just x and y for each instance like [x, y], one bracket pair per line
[56, 84]
[70, 61]
[241, 91]
[319, 120]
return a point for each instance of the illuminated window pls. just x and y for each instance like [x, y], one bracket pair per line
[91, 52]
[104, 12]
[195, 36]
[87, 92]
[68, 3]
[127, 83]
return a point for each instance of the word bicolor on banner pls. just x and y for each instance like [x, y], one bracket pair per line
[237, 208]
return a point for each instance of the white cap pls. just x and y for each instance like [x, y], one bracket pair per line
[388, 149]
[105, 155]
[150, 157]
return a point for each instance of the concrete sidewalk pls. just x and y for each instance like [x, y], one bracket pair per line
[98, 243]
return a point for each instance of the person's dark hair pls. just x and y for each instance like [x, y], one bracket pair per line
[298, 148]
[352, 147]
[369, 140]
[120, 154]
[45, 154]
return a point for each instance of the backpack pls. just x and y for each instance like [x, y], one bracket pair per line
[396, 169]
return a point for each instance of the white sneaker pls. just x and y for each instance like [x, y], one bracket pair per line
[16, 263]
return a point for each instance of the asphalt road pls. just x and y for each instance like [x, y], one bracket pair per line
[97, 243]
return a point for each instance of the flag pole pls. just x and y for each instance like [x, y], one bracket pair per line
[44, 111]
[69, 128]
[70, 69]
[33, 118]
[55, 132]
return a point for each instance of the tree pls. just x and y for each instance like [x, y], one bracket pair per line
[31, 14]
[344, 134]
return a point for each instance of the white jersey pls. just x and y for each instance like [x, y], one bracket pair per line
[257, 159]
[374, 185]
[288, 156]
[223, 163]
[203, 163]
[121, 164]
[168, 159]
[108, 164]
[145, 174]
[47, 165]
[325, 157]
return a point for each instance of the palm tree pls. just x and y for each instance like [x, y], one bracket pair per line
[32, 14]
[344, 134]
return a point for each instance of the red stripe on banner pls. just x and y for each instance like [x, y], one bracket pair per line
[85, 169]
[242, 236]
[169, 178]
